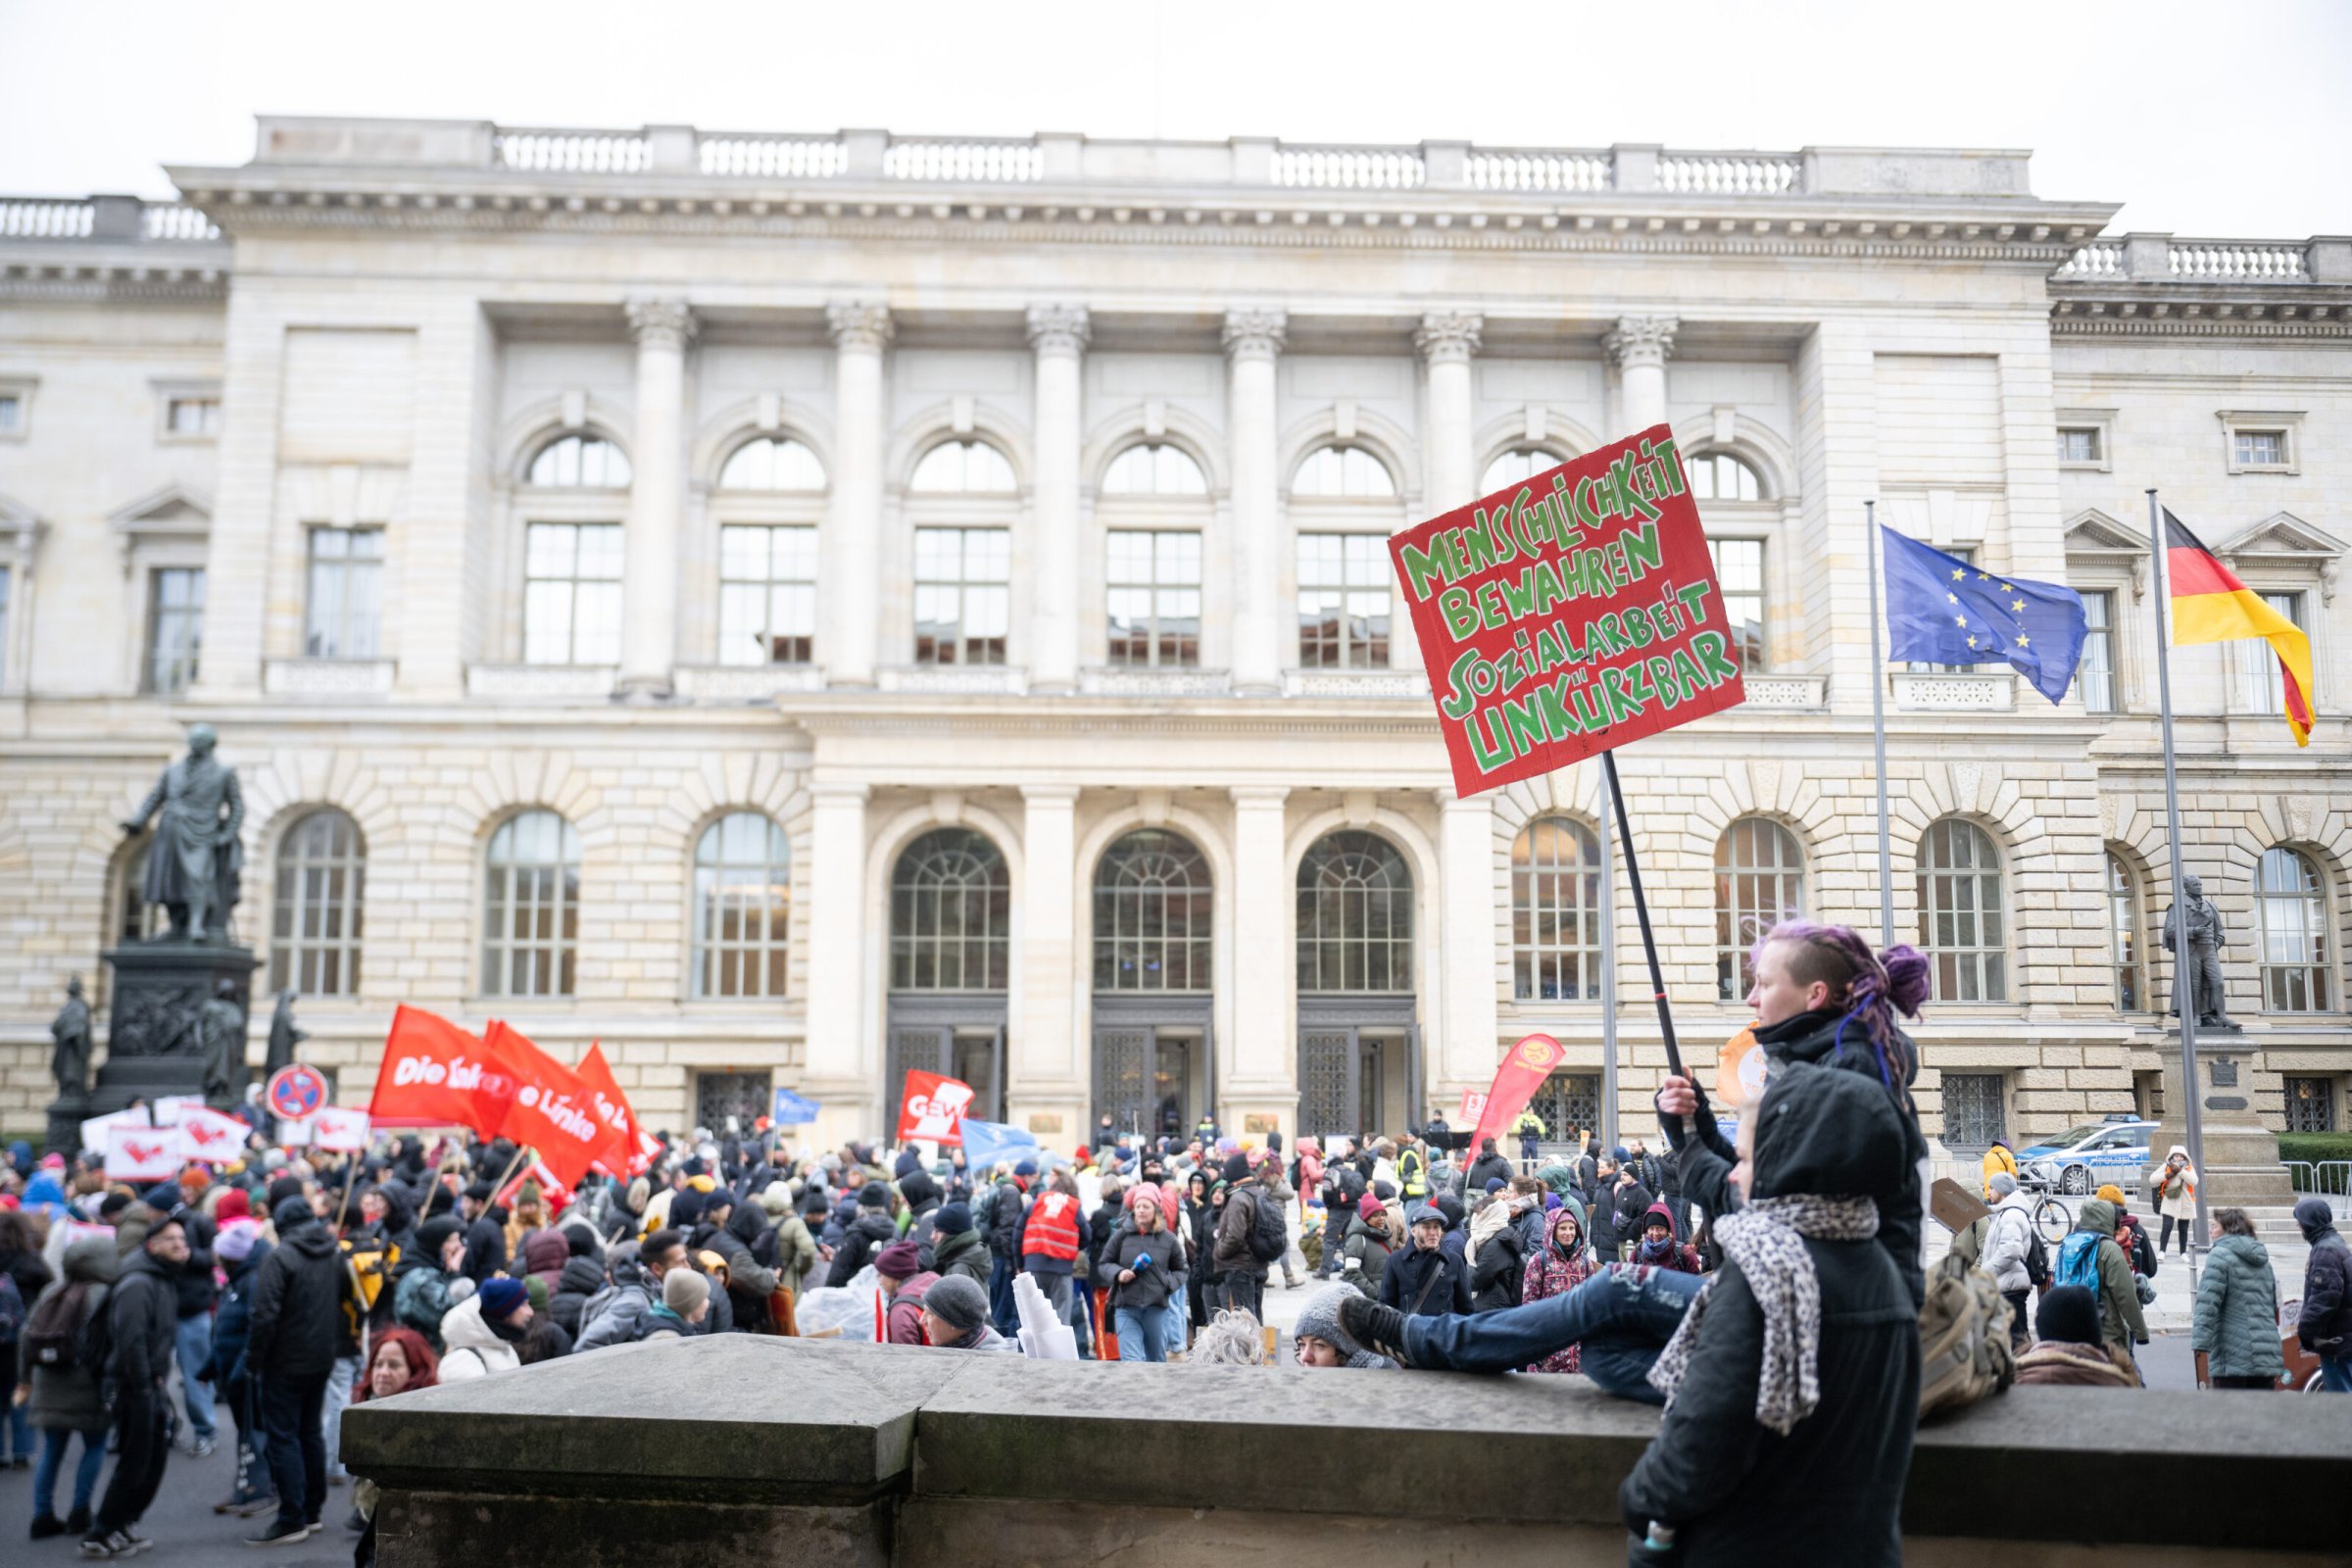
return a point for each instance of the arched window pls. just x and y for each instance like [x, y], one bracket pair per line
[580, 463]
[2123, 932]
[1759, 882]
[1355, 915]
[315, 918]
[531, 910]
[135, 919]
[1342, 473]
[1151, 914]
[951, 914]
[1720, 476]
[772, 462]
[1960, 922]
[1555, 911]
[963, 468]
[742, 907]
[1154, 469]
[2291, 905]
[1517, 466]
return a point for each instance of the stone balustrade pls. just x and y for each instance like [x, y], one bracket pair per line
[2156, 258]
[737, 1450]
[109, 220]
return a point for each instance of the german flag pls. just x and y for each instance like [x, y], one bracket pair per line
[2211, 606]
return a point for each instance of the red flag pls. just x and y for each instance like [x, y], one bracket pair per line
[1516, 1081]
[435, 1074]
[553, 1111]
[619, 1153]
[933, 1108]
[557, 1195]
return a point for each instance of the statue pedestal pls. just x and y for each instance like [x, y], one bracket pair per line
[153, 1049]
[2241, 1168]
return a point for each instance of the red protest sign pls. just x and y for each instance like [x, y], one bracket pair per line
[619, 1153]
[1516, 1081]
[435, 1074]
[933, 1108]
[552, 1112]
[1568, 614]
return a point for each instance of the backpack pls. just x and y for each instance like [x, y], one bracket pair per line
[53, 1334]
[367, 1261]
[1964, 1351]
[12, 1309]
[2079, 1261]
[1269, 1237]
[2037, 1259]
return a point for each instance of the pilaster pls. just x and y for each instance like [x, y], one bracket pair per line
[849, 585]
[1466, 1051]
[1058, 333]
[1447, 340]
[844, 1068]
[237, 573]
[1259, 1066]
[1045, 1072]
[1254, 338]
[649, 645]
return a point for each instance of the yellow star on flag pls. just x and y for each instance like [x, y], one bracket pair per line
[1959, 620]
[1983, 576]
[1972, 642]
[1957, 574]
[2018, 605]
[2022, 642]
[2005, 588]
[1952, 599]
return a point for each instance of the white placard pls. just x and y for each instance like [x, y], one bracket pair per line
[136, 1153]
[339, 1128]
[209, 1137]
[94, 1130]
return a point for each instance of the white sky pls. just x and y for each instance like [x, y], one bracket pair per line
[2205, 119]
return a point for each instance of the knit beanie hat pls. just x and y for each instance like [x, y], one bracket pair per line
[236, 1239]
[535, 1285]
[900, 1261]
[580, 1241]
[2070, 1314]
[1320, 1317]
[683, 1289]
[874, 1195]
[1026, 1167]
[958, 1301]
[233, 1204]
[952, 1219]
[1493, 1184]
[1369, 1207]
[776, 1199]
[1237, 1168]
[2002, 1183]
[2111, 1194]
[500, 1298]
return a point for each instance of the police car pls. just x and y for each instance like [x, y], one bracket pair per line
[2084, 1159]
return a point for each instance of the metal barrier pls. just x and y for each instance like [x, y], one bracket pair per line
[2325, 1178]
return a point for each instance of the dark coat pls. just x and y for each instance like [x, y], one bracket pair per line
[1369, 1247]
[1200, 1222]
[963, 1253]
[485, 1246]
[2325, 1325]
[1716, 1474]
[1004, 1221]
[71, 1399]
[1629, 1211]
[234, 1322]
[296, 1324]
[871, 1232]
[1495, 1277]
[143, 1317]
[1422, 1284]
[1483, 1169]
[1152, 1287]
[582, 1277]
[193, 1289]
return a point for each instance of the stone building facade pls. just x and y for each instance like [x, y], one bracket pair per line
[798, 608]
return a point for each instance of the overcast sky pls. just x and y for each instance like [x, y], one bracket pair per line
[2205, 119]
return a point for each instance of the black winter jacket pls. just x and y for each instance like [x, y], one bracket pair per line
[297, 1321]
[1153, 1285]
[1407, 1283]
[1495, 1279]
[485, 1246]
[142, 1320]
[2325, 1325]
[872, 1232]
[193, 1289]
[1004, 1217]
[1721, 1478]
[582, 1277]
[1483, 1169]
[235, 1320]
[1629, 1211]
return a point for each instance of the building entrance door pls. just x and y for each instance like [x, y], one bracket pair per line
[960, 1036]
[1151, 1072]
[1359, 1065]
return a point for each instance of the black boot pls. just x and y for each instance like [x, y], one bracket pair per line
[1376, 1328]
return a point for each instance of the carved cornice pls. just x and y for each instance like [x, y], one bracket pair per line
[858, 324]
[1448, 337]
[660, 322]
[1256, 333]
[1641, 340]
[1058, 329]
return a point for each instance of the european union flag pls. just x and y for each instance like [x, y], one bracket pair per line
[1940, 609]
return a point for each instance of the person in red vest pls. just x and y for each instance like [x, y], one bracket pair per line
[1050, 1243]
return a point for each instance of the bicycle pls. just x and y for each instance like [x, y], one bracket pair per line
[2052, 1219]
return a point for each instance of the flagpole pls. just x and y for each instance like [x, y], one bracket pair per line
[2189, 1090]
[1878, 725]
[1609, 975]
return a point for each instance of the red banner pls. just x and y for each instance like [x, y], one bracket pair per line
[933, 1108]
[436, 1074]
[621, 1153]
[1569, 614]
[553, 1111]
[1516, 1081]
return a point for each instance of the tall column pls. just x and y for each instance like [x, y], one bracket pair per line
[1252, 339]
[1447, 340]
[1259, 1070]
[1045, 1069]
[848, 580]
[841, 1073]
[1057, 332]
[1638, 346]
[236, 568]
[649, 637]
[1466, 871]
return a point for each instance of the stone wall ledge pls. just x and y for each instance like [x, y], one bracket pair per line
[916, 1438]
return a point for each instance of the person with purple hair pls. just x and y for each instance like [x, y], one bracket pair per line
[1822, 996]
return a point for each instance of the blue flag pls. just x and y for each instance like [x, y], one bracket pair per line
[792, 1110]
[1942, 610]
[986, 1141]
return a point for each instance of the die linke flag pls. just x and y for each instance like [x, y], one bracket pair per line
[1945, 611]
[435, 1074]
[1569, 614]
[2211, 606]
[621, 1153]
[1516, 1081]
[553, 1111]
[933, 1108]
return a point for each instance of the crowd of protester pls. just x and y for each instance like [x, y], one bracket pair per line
[1767, 1289]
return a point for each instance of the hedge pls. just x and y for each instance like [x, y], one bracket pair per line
[2315, 1147]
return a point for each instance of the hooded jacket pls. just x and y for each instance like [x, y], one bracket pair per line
[2008, 1238]
[961, 1254]
[2237, 1317]
[796, 1252]
[419, 1288]
[1368, 1246]
[143, 1318]
[871, 1232]
[1677, 1254]
[544, 1255]
[295, 1321]
[2324, 1326]
[1497, 1258]
[1557, 1270]
[232, 1326]
[2121, 1325]
[473, 1349]
[581, 1278]
[1724, 1480]
[71, 1399]
[613, 1315]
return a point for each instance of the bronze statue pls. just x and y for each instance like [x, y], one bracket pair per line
[283, 1037]
[70, 1062]
[193, 865]
[220, 1041]
[2201, 965]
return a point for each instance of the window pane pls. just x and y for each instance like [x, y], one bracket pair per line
[316, 918]
[1342, 473]
[1344, 603]
[1154, 471]
[1555, 908]
[1960, 913]
[963, 467]
[1517, 466]
[741, 908]
[960, 616]
[530, 916]
[580, 462]
[1759, 882]
[952, 906]
[571, 593]
[1151, 914]
[772, 464]
[1355, 915]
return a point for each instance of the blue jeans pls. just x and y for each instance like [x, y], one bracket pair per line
[1622, 1317]
[1143, 1334]
[1001, 1310]
[2335, 1374]
[20, 1425]
[53, 1459]
[194, 1338]
[338, 1397]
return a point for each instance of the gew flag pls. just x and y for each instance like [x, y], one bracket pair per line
[1942, 610]
[2211, 606]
